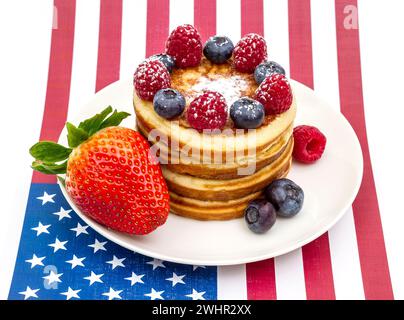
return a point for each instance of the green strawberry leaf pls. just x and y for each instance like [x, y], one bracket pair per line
[115, 119]
[75, 136]
[49, 155]
[62, 180]
[49, 152]
[49, 168]
[92, 125]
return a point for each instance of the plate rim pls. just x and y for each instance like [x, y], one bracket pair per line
[106, 233]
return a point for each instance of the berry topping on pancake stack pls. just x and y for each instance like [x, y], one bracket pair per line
[165, 59]
[185, 45]
[150, 76]
[169, 103]
[249, 52]
[218, 49]
[247, 113]
[266, 69]
[208, 111]
[275, 94]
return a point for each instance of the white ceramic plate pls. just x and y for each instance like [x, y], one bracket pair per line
[330, 187]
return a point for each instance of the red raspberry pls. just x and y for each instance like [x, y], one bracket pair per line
[150, 76]
[185, 45]
[208, 111]
[309, 144]
[275, 94]
[249, 52]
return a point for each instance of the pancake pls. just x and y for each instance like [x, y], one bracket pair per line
[210, 210]
[202, 170]
[216, 189]
[179, 162]
[213, 210]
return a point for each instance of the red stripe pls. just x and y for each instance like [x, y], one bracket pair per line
[316, 255]
[109, 43]
[318, 270]
[261, 280]
[59, 77]
[252, 17]
[369, 232]
[205, 18]
[260, 275]
[158, 12]
[300, 42]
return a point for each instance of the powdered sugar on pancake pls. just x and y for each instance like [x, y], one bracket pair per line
[231, 88]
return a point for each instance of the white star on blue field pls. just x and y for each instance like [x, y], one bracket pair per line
[61, 258]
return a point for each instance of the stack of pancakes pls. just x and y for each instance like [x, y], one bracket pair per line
[213, 176]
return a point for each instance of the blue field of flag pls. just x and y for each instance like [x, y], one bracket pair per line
[60, 257]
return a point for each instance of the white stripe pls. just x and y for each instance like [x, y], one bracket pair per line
[231, 280]
[277, 31]
[181, 12]
[343, 242]
[289, 270]
[24, 65]
[228, 15]
[289, 273]
[382, 52]
[325, 54]
[133, 47]
[345, 259]
[231, 283]
[85, 52]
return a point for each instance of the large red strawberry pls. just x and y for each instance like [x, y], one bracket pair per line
[110, 174]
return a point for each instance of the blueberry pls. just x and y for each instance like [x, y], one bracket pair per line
[260, 216]
[286, 196]
[247, 113]
[167, 60]
[218, 49]
[266, 69]
[168, 103]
